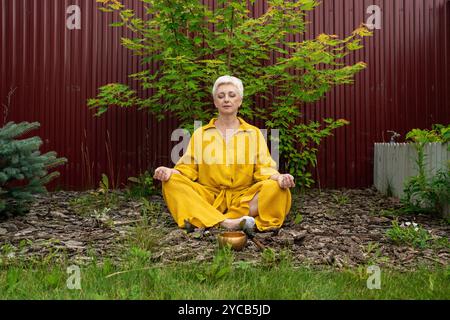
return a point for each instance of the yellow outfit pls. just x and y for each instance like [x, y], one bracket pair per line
[219, 178]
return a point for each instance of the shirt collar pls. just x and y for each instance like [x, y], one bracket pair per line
[243, 126]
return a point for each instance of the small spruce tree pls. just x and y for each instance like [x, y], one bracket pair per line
[23, 169]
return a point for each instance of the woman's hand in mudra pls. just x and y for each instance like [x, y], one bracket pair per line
[164, 173]
[286, 181]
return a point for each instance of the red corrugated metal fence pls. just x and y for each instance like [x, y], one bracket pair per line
[54, 70]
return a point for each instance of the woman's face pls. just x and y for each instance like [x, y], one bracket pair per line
[227, 99]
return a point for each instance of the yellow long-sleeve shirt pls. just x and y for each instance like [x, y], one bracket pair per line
[227, 168]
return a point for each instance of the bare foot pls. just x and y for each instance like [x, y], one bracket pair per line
[237, 224]
[231, 224]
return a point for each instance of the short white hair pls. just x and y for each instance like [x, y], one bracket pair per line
[229, 80]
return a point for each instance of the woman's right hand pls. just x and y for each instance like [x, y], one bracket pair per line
[163, 173]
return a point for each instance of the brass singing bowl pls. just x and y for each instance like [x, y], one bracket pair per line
[236, 239]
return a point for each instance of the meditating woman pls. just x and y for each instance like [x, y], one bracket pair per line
[227, 173]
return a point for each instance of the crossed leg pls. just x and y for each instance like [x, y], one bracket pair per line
[253, 204]
[269, 205]
[253, 212]
[190, 201]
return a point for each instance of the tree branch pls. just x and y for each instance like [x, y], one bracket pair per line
[231, 37]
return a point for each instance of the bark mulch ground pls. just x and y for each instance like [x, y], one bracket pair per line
[341, 228]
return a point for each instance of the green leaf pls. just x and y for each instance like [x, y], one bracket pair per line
[298, 218]
[200, 277]
[117, 24]
[134, 179]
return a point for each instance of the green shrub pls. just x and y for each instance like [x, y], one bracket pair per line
[422, 193]
[23, 169]
[428, 195]
[191, 56]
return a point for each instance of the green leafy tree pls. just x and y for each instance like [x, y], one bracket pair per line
[195, 45]
[23, 169]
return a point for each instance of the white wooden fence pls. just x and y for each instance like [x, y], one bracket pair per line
[394, 163]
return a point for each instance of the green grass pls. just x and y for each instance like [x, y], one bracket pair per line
[136, 278]
[133, 275]
[94, 202]
[341, 199]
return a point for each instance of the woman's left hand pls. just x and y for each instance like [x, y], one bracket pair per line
[286, 181]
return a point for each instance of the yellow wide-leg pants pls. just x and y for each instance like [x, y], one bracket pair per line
[205, 206]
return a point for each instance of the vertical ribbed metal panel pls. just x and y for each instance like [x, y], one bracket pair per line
[55, 71]
[405, 86]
